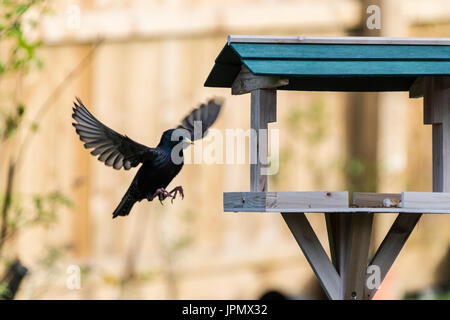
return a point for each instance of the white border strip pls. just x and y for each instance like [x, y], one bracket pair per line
[338, 40]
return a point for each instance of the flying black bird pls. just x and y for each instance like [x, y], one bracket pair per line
[159, 165]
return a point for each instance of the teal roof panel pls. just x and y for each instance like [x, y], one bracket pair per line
[333, 67]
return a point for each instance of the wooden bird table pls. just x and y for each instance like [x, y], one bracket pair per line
[262, 65]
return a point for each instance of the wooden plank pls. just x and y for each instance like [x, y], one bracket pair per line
[342, 210]
[263, 111]
[360, 68]
[244, 201]
[391, 246]
[307, 200]
[338, 40]
[314, 253]
[357, 251]
[417, 89]
[426, 200]
[339, 52]
[263, 201]
[246, 82]
[376, 200]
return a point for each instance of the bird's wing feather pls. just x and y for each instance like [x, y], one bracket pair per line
[112, 148]
[206, 113]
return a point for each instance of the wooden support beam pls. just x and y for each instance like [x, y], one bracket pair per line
[263, 111]
[336, 227]
[349, 239]
[246, 82]
[314, 253]
[391, 246]
[376, 200]
[356, 256]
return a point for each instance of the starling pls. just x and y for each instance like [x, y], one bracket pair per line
[159, 165]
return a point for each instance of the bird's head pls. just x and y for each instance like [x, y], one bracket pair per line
[173, 137]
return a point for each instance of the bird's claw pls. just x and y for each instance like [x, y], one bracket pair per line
[175, 191]
[162, 194]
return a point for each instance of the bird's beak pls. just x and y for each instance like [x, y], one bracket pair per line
[188, 141]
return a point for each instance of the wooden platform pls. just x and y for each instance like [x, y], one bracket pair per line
[338, 202]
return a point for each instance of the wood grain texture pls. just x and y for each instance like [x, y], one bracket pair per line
[314, 253]
[356, 255]
[426, 200]
[349, 52]
[263, 111]
[360, 68]
[312, 202]
[281, 201]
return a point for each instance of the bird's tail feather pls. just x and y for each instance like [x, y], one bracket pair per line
[125, 205]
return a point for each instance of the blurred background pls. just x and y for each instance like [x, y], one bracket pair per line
[139, 66]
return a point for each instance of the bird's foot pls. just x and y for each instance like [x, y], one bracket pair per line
[162, 194]
[175, 191]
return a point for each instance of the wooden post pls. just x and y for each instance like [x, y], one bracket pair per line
[356, 258]
[263, 111]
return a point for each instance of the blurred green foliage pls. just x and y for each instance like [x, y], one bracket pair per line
[19, 56]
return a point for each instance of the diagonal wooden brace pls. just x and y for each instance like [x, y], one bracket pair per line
[314, 253]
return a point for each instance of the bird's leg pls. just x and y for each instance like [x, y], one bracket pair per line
[175, 191]
[162, 194]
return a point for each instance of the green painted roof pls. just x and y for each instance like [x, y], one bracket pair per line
[334, 66]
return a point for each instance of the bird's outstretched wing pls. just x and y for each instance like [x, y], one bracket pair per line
[206, 113]
[112, 148]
